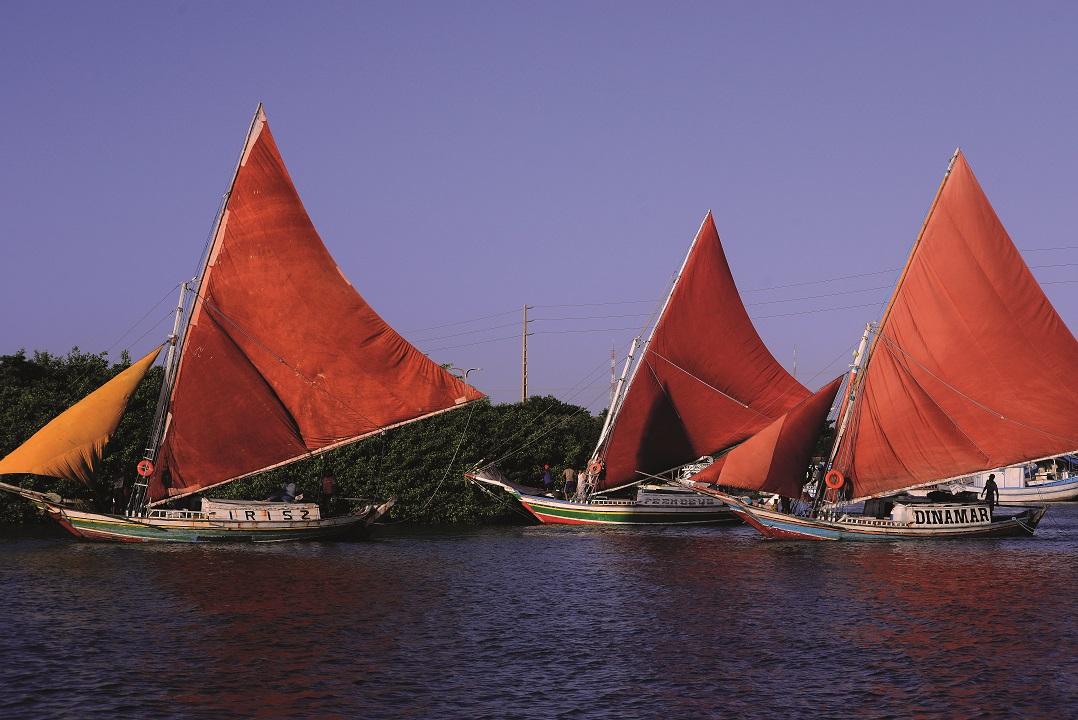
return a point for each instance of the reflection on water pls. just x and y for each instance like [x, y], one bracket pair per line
[542, 622]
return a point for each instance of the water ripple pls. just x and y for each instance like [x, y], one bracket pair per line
[542, 622]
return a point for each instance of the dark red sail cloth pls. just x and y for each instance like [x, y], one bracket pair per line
[776, 458]
[706, 380]
[972, 368]
[283, 356]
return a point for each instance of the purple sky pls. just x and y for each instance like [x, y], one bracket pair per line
[462, 159]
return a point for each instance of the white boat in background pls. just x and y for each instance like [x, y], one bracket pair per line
[1052, 480]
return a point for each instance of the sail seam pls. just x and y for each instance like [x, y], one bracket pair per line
[974, 401]
[889, 344]
[707, 384]
[310, 453]
[279, 358]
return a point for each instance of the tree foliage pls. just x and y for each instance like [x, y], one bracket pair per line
[421, 464]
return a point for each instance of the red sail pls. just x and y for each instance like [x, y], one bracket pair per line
[972, 368]
[282, 356]
[705, 382]
[776, 458]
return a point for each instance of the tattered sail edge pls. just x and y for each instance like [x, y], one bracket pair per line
[312, 453]
[257, 124]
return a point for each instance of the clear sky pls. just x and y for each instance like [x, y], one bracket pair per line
[461, 159]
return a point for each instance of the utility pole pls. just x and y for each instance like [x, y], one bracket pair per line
[524, 357]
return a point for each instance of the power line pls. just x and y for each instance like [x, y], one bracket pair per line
[809, 312]
[751, 290]
[597, 304]
[1038, 267]
[467, 332]
[817, 297]
[462, 322]
[478, 342]
[591, 317]
[825, 280]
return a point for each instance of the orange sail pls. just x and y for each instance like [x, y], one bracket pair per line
[72, 444]
[705, 382]
[282, 356]
[775, 459]
[971, 368]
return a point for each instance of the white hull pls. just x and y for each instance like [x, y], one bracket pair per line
[1064, 490]
[1052, 481]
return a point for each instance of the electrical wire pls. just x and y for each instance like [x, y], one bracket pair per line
[467, 332]
[462, 322]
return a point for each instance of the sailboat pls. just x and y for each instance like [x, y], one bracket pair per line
[273, 358]
[703, 383]
[969, 369]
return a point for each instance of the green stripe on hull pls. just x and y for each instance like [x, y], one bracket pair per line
[137, 532]
[631, 517]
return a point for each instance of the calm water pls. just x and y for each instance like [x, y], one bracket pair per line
[539, 622]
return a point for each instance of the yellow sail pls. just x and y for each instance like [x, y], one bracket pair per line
[70, 446]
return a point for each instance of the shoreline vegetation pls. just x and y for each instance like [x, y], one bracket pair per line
[415, 463]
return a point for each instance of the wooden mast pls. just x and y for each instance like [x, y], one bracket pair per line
[137, 503]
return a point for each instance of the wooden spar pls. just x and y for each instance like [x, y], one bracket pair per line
[157, 430]
[617, 396]
[313, 453]
[615, 409]
[849, 396]
[170, 375]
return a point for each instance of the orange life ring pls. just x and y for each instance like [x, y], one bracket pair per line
[834, 479]
[595, 467]
[145, 468]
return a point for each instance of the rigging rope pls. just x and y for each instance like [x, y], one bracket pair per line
[452, 460]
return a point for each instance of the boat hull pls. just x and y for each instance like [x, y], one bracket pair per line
[101, 527]
[551, 511]
[693, 510]
[775, 525]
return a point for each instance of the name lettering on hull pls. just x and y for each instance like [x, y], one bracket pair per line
[261, 512]
[951, 516]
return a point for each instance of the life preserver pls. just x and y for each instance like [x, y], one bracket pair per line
[145, 468]
[595, 467]
[834, 479]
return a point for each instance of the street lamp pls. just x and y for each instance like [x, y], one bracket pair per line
[459, 369]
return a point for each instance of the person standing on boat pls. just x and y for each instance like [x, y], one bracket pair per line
[991, 493]
[568, 475]
[569, 488]
[547, 480]
[327, 487]
[581, 485]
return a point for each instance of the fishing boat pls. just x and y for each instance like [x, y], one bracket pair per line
[969, 369]
[1047, 481]
[273, 358]
[704, 382]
